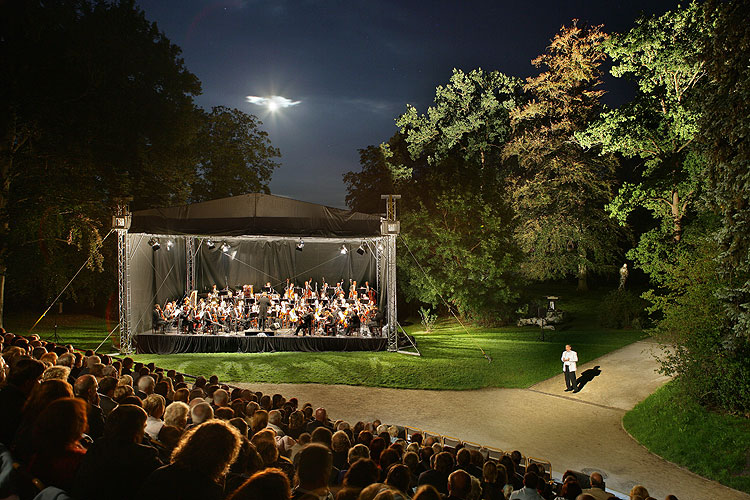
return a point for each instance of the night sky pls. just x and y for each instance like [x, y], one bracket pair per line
[353, 65]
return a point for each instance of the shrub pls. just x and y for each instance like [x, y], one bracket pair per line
[622, 309]
[428, 318]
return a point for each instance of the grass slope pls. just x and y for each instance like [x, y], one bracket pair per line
[674, 427]
[451, 356]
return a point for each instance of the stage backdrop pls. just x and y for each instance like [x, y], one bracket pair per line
[239, 255]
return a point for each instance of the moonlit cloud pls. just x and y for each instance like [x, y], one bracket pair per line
[272, 103]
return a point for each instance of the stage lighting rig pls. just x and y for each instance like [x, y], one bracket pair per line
[155, 245]
[343, 250]
[225, 247]
[362, 248]
[170, 244]
[300, 245]
[210, 244]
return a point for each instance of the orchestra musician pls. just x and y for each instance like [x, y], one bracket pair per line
[305, 323]
[159, 322]
[310, 309]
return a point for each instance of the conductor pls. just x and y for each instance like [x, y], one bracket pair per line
[263, 304]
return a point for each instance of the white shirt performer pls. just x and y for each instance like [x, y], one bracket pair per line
[569, 359]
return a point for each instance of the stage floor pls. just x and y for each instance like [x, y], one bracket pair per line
[160, 343]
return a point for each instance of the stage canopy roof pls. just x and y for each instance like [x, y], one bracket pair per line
[256, 214]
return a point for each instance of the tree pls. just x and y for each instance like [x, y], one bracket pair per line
[661, 54]
[465, 254]
[234, 155]
[470, 118]
[97, 103]
[455, 218]
[363, 188]
[559, 190]
[724, 130]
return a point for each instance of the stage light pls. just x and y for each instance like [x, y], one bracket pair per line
[225, 247]
[154, 242]
[300, 245]
[170, 244]
[380, 247]
[362, 248]
[210, 244]
[344, 250]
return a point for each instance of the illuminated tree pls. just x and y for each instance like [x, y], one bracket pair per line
[559, 189]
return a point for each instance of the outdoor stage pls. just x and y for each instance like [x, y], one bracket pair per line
[150, 343]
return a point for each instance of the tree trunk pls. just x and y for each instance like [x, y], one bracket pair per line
[676, 216]
[2, 296]
[583, 273]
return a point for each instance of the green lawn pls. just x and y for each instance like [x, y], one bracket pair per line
[713, 445]
[451, 357]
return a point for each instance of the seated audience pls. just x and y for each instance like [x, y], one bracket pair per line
[199, 463]
[119, 450]
[315, 466]
[177, 414]
[154, 405]
[597, 489]
[269, 484]
[528, 492]
[56, 447]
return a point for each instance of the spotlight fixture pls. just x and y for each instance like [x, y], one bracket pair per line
[343, 250]
[225, 247]
[362, 248]
[154, 242]
[380, 247]
[300, 245]
[170, 244]
[210, 244]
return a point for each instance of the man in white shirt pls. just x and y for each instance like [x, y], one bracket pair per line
[569, 359]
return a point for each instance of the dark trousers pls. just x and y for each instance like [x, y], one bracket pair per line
[570, 379]
[262, 320]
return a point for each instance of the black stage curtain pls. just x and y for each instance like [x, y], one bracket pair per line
[176, 344]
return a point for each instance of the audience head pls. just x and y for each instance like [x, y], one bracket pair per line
[201, 412]
[122, 392]
[176, 415]
[154, 405]
[60, 425]
[126, 423]
[356, 452]
[208, 449]
[42, 395]
[107, 386]
[459, 484]
[86, 388]
[340, 442]
[146, 384]
[268, 484]
[638, 492]
[427, 492]
[444, 462]
[362, 473]
[265, 444]
[322, 435]
[570, 489]
[530, 480]
[597, 481]
[315, 465]
[399, 477]
[221, 397]
[321, 415]
[25, 372]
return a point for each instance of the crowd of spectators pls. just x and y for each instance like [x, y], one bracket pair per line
[81, 425]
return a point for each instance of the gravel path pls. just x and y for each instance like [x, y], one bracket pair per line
[580, 431]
